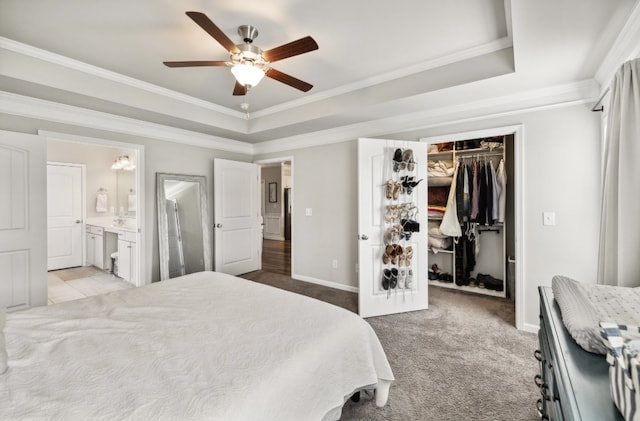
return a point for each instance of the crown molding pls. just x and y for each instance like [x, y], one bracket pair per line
[76, 65]
[29, 107]
[533, 100]
[625, 47]
[470, 53]
[40, 54]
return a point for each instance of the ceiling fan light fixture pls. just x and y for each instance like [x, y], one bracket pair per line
[247, 74]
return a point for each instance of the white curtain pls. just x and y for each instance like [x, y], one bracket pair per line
[619, 254]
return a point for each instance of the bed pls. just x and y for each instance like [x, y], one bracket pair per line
[202, 346]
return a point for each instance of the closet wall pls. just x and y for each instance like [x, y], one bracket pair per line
[471, 233]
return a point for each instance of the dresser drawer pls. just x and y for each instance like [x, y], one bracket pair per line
[93, 229]
[127, 236]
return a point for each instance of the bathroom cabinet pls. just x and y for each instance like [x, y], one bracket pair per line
[127, 265]
[95, 246]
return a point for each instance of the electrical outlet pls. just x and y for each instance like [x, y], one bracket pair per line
[334, 263]
[548, 218]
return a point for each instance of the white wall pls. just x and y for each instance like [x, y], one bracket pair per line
[325, 181]
[159, 156]
[561, 171]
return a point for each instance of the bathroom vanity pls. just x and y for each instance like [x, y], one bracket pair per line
[104, 237]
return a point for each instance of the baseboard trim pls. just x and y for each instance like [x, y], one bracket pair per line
[531, 328]
[322, 282]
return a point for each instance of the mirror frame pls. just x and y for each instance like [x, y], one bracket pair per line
[163, 238]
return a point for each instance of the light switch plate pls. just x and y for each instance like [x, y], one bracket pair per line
[308, 212]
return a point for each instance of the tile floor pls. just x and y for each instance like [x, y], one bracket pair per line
[81, 282]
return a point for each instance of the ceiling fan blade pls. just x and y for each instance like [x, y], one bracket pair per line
[288, 80]
[211, 28]
[239, 89]
[301, 46]
[194, 63]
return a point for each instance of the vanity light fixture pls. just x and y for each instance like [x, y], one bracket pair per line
[123, 163]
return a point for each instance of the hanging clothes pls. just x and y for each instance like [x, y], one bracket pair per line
[450, 225]
[466, 193]
[502, 201]
[490, 176]
[460, 192]
[495, 187]
[475, 191]
[482, 195]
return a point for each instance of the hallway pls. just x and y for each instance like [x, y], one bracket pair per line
[276, 257]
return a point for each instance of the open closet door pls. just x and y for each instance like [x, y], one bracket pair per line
[392, 262]
[238, 241]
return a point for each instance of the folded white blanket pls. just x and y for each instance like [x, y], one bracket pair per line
[584, 306]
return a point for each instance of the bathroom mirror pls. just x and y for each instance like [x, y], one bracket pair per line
[183, 229]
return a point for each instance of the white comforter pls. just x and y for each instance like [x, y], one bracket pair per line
[204, 346]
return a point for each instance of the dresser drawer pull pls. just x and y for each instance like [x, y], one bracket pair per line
[538, 380]
[544, 391]
[537, 354]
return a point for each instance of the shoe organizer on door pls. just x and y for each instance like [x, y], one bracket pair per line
[400, 222]
[467, 188]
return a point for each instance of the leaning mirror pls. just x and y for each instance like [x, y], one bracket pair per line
[183, 229]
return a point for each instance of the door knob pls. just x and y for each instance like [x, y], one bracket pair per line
[218, 225]
[364, 237]
[78, 221]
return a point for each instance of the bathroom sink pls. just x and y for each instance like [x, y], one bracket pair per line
[124, 223]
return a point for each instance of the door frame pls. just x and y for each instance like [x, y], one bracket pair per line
[271, 161]
[519, 208]
[141, 220]
[83, 194]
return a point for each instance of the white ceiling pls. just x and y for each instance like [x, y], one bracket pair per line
[376, 60]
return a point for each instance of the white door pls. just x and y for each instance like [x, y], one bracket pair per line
[375, 168]
[64, 216]
[237, 217]
[23, 220]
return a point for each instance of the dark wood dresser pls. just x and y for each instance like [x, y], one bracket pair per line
[574, 383]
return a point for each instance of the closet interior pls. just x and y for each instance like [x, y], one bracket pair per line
[471, 215]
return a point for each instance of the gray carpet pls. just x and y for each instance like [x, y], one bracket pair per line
[462, 359]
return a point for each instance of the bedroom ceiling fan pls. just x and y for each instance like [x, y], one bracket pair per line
[249, 64]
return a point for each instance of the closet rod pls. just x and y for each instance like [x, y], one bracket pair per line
[479, 154]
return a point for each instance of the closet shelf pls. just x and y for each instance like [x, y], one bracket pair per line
[440, 154]
[431, 250]
[439, 181]
[480, 151]
[467, 288]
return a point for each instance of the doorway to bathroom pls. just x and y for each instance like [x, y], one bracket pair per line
[110, 193]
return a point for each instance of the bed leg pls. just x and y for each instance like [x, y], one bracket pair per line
[382, 392]
[355, 397]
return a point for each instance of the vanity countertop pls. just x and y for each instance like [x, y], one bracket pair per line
[109, 223]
